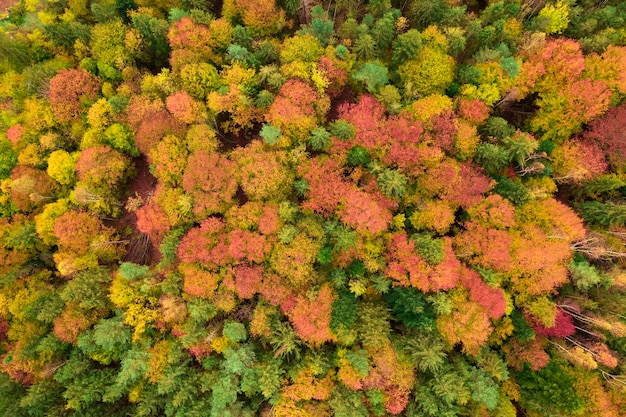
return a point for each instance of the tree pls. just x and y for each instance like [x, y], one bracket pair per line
[102, 167]
[293, 110]
[31, 188]
[212, 189]
[265, 174]
[61, 167]
[468, 323]
[431, 70]
[185, 108]
[311, 317]
[605, 132]
[152, 220]
[71, 92]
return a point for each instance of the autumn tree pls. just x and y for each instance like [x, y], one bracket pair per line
[71, 92]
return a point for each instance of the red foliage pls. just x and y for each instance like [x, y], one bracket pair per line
[557, 62]
[182, 106]
[404, 264]
[152, 220]
[492, 299]
[311, 318]
[70, 90]
[363, 213]
[587, 99]
[468, 187]
[75, 229]
[396, 399]
[248, 280]
[475, 111]
[4, 328]
[14, 133]
[153, 126]
[485, 247]
[539, 263]
[443, 130]
[563, 325]
[276, 292]
[194, 246]
[70, 324]
[269, 223]
[608, 133]
[366, 117]
[326, 186]
[494, 211]
[187, 35]
[246, 245]
[446, 274]
[210, 178]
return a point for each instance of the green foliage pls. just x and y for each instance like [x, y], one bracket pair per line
[121, 137]
[549, 390]
[428, 248]
[235, 331]
[342, 129]
[132, 271]
[410, 306]
[514, 191]
[603, 214]
[319, 299]
[373, 74]
[270, 134]
[585, 275]
[8, 158]
[392, 183]
[153, 31]
[522, 329]
[365, 47]
[344, 314]
[319, 139]
[498, 128]
[492, 158]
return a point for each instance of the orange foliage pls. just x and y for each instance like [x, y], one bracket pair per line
[71, 90]
[210, 178]
[517, 353]
[468, 323]
[293, 111]
[311, 317]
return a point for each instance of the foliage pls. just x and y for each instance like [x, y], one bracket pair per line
[279, 207]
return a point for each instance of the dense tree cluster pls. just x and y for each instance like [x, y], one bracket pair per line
[313, 208]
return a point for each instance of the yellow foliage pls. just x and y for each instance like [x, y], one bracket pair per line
[220, 344]
[140, 313]
[466, 140]
[100, 115]
[557, 17]
[236, 74]
[121, 293]
[543, 309]
[503, 328]
[489, 93]
[32, 155]
[37, 115]
[44, 221]
[425, 108]
[61, 166]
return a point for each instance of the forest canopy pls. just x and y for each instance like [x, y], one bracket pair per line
[311, 208]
